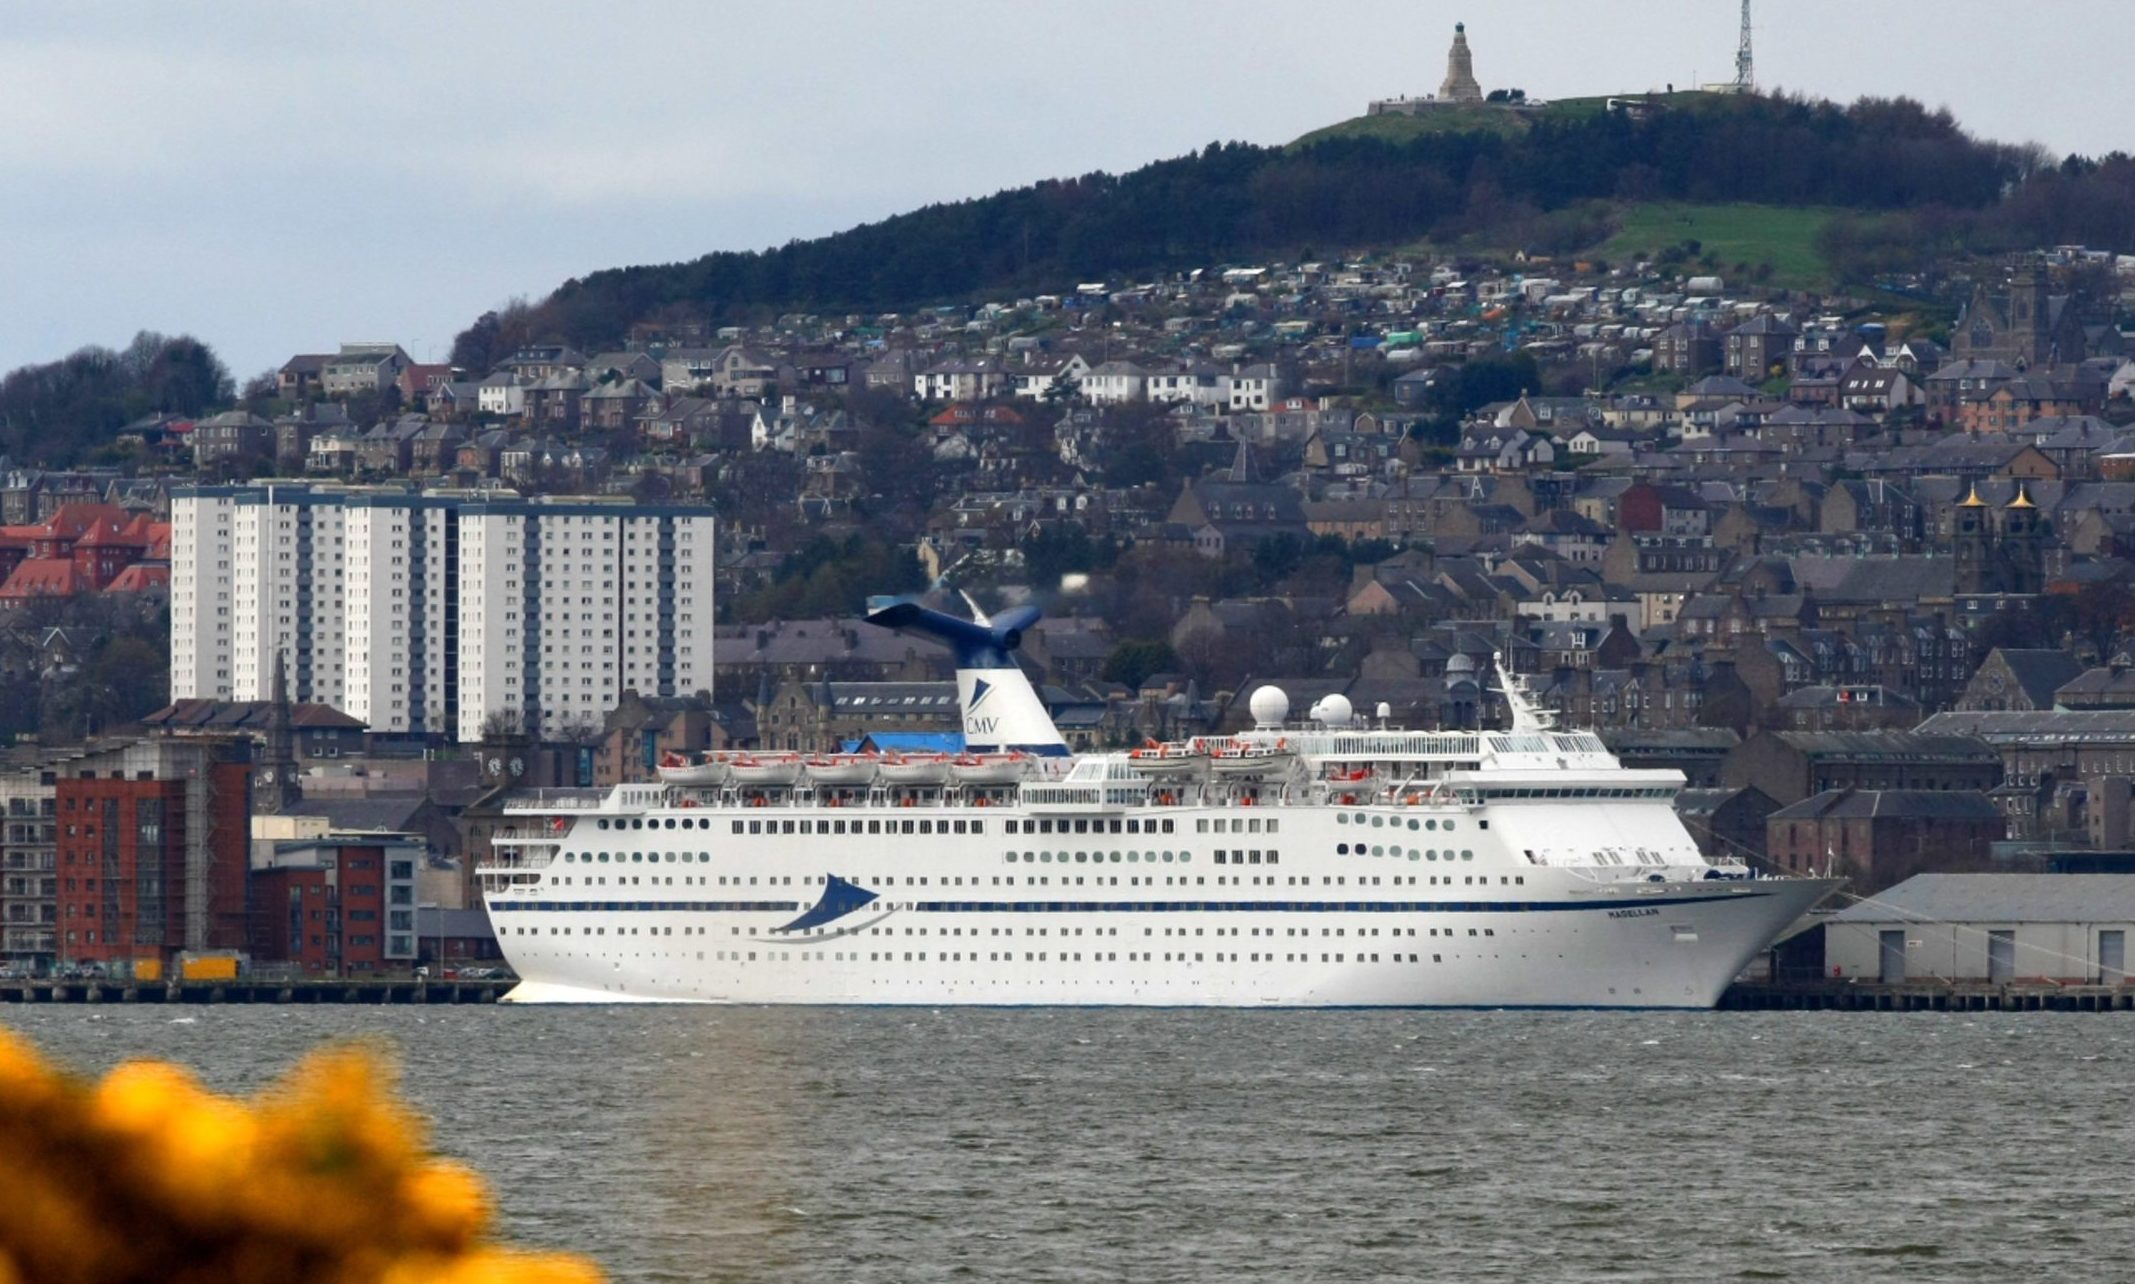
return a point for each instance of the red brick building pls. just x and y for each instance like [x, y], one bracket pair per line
[83, 548]
[339, 905]
[152, 849]
[1881, 837]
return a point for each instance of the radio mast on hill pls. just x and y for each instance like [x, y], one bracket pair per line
[1745, 67]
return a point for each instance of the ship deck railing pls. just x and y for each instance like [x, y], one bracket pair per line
[548, 801]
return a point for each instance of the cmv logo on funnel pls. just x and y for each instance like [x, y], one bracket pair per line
[976, 727]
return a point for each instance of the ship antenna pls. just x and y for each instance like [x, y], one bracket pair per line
[1527, 716]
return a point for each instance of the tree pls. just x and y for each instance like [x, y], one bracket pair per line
[60, 411]
[1064, 390]
[1135, 659]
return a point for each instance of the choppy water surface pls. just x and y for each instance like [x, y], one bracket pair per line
[885, 1145]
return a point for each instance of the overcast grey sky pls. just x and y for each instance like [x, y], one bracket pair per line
[277, 177]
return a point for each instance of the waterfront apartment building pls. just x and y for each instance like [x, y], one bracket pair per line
[151, 842]
[439, 611]
[29, 869]
[337, 905]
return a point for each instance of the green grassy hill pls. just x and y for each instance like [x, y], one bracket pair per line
[1487, 118]
[1548, 180]
[1784, 237]
[1478, 119]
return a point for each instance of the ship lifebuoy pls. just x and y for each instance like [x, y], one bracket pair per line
[756, 801]
[1247, 801]
[1348, 799]
[835, 803]
[980, 803]
[689, 802]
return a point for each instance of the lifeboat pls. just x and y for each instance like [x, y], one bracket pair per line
[988, 768]
[1168, 760]
[915, 768]
[681, 769]
[840, 768]
[765, 769]
[1246, 761]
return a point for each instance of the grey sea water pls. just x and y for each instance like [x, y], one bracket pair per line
[888, 1145]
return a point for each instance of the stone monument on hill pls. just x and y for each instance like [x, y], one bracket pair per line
[1460, 85]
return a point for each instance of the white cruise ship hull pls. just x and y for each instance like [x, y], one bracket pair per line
[707, 916]
[1322, 864]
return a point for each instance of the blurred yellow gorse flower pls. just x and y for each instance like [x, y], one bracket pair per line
[323, 1177]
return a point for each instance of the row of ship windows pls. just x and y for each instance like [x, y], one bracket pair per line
[1392, 822]
[1085, 857]
[1469, 794]
[1037, 931]
[1413, 853]
[811, 826]
[1114, 825]
[1065, 956]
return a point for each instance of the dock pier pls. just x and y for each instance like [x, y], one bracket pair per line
[1920, 996]
[376, 992]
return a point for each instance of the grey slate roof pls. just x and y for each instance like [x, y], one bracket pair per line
[1931, 742]
[1887, 804]
[2101, 726]
[2002, 898]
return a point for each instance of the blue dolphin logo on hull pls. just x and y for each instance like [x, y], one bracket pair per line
[839, 899]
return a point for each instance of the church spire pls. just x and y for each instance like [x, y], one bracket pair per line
[278, 775]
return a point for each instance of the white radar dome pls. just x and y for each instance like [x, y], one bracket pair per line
[1270, 706]
[1333, 710]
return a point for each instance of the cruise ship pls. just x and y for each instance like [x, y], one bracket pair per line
[1323, 860]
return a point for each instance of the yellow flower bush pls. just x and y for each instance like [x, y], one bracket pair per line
[324, 1177]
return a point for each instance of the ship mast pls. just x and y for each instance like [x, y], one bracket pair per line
[1527, 716]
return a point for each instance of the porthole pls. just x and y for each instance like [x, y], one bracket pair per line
[1377, 850]
[1449, 824]
[1467, 855]
[1340, 818]
[1430, 824]
[1377, 821]
[1341, 849]
[1415, 824]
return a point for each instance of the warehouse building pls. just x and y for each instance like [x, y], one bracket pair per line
[1996, 928]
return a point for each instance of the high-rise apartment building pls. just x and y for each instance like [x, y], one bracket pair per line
[438, 611]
